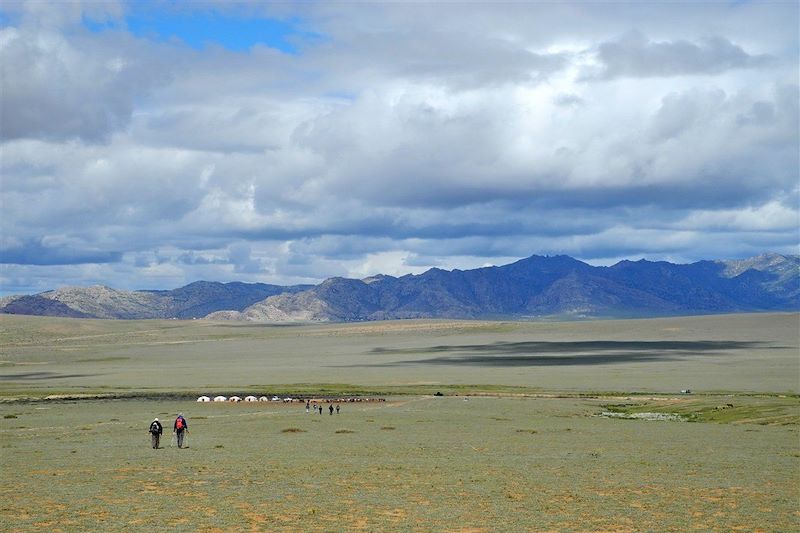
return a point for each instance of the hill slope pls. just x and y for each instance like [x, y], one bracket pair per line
[546, 286]
[195, 300]
[533, 287]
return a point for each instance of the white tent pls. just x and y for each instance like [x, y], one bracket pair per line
[220, 399]
[204, 399]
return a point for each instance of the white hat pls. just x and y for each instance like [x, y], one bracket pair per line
[155, 420]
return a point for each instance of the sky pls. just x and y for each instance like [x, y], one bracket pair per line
[147, 145]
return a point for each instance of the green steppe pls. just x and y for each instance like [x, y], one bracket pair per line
[523, 439]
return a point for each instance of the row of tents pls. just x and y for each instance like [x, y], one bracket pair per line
[245, 399]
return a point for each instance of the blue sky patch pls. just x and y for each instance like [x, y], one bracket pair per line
[201, 28]
[7, 19]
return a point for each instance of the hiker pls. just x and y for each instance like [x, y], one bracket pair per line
[337, 408]
[155, 432]
[330, 409]
[180, 427]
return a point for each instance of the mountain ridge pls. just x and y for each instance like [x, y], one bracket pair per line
[530, 288]
[195, 300]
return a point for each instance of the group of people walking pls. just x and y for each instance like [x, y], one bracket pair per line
[318, 408]
[179, 427]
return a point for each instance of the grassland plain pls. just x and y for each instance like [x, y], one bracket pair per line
[527, 450]
[415, 463]
[756, 353]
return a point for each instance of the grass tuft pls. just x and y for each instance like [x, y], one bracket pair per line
[293, 430]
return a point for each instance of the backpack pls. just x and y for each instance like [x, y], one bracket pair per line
[154, 428]
[179, 423]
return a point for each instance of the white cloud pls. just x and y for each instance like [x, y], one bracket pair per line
[390, 263]
[770, 217]
[403, 137]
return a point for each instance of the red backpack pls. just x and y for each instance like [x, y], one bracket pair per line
[179, 423]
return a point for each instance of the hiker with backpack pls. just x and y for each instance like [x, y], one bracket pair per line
[180, 427]
[155, 433]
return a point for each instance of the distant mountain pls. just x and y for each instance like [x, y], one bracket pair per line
[534, 287]
[548, 286]
[38, 305]
[200, 298]
[195, 300]
[782, 271]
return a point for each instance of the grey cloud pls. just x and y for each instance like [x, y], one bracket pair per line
[449, 58]
[304, 268]
[341, 246]
[760, 113]
[681, 111]
[494, 250]
[569, 100]
[233, 129]
[377, 229]
[634, 55]
[88, 188]
[57, 88]
[193, 258]
[35, 252]
[240, 255]
[462, 48]
[738, 144]
[495, 220]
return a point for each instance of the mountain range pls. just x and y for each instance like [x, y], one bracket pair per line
[531, 288]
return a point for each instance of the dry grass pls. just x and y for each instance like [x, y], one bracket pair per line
[551, 466]
[756, 353]
[538, 459]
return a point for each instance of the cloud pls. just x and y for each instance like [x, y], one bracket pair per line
[39, 252]
[634, 55]
[240, 255]
[402, 139]
[77, 87]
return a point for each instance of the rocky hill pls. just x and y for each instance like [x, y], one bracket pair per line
[38, 305]
[531, 288]
[549, 286]
[195, 300]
